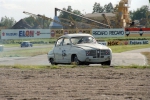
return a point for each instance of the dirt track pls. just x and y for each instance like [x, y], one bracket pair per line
[89, 83]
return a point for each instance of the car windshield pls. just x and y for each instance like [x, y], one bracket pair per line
[82, 40]
[25, 42]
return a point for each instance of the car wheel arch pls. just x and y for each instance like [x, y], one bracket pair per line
[52, 61]
[72, 57]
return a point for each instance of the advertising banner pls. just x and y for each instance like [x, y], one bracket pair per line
[108, 33]
[55, 33]
[117, 42]
[88, 31]
[25, 33]
[137, 32]
[138, 42]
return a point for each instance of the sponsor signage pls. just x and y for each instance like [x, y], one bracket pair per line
[25, 33]
[137, 42]
[108, 33]
[88, 31]
[137, 32]
[117, 42]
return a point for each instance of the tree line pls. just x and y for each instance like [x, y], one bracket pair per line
[140, 13]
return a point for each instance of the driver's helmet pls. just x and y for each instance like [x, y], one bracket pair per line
[87, 40]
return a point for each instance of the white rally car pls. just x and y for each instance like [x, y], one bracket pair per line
[80, 49]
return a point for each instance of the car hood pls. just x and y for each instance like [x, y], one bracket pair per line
[91, 46]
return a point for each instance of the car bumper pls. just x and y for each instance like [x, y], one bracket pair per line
[97, 60]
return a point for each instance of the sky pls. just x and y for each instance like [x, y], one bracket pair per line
[14, 8]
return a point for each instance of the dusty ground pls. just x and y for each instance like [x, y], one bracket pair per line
[89, 83]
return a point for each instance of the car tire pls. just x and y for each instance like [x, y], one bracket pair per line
[76, 61]
[106, 63]
[86, 63]
[52, 61]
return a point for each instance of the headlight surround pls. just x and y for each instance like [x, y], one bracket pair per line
[87, 53]
[91, 53]
[105, 52]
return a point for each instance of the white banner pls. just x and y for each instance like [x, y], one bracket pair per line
[137, 42]
[25, 33]
[108, 32]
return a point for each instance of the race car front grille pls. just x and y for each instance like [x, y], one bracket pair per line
[98, 53]
[91, 53]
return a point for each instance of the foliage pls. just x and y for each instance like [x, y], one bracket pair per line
[70, 16]
[37, 22]
[108, 8]
[7, 22]
[139, 13]
[97, 8]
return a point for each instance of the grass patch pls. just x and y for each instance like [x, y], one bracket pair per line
[35, 67]
[18, 66]
[147, 54]
[25, 52]
[29, 66]
[122, 48]
[132, 66]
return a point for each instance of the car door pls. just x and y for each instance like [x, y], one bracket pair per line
[66, 46]
[58, 51]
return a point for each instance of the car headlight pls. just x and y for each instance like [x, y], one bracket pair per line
[105, 52]
[87, 53]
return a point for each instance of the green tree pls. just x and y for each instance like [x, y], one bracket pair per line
[97, 8]
[7, 22]
[139, 13]
[70, 16]
[108, 8]
[37, 22]
[77, 12]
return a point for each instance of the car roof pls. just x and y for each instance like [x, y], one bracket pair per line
[76, 34]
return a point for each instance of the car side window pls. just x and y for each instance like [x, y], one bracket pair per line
[66, 41]
[59, 42]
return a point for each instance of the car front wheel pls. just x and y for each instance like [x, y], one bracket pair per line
[76, 61]
[52, 61]
[106, 63]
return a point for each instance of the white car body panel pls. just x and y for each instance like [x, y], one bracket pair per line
[63, 53]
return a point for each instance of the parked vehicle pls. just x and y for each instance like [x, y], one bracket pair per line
[26, 44]
[80, 49]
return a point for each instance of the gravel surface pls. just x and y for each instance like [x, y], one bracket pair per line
[89, 83]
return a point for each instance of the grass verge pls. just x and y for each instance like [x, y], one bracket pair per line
[147, 55]
[122, 48]
[35, 67]
[25, 52]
